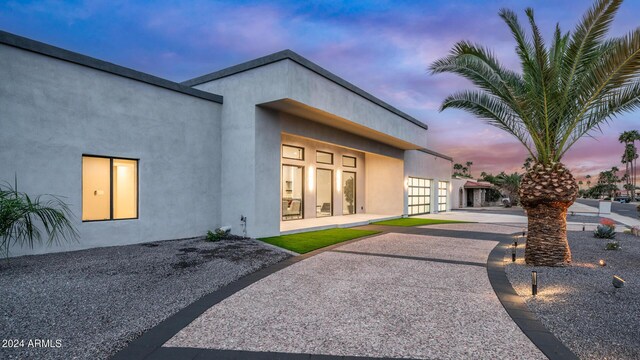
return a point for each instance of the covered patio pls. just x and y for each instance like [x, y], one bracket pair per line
[321, 223]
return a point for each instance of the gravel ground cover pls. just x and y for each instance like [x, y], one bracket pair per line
[365, 299]
[96, 301]
[579, 304]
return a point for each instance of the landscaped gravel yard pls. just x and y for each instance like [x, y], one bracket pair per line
[578, 303]
[95, 301]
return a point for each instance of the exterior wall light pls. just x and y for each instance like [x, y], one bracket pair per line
[534, 283]
[311, 178]
[618, 282]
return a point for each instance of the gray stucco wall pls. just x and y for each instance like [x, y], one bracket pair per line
[251, 142]
[52, 112]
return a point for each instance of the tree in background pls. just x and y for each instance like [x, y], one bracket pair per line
[461, 170]
[468, 167]
[510, 185]
[608, 182]
[563, 92]
[629, 159]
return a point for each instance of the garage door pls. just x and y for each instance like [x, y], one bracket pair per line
[419, 194]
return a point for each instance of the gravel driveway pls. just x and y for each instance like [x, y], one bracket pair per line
[578, 303]
[96, 301]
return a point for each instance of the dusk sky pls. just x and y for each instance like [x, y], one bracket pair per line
[384, 47]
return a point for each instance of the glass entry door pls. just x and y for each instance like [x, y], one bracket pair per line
[292, 192]
[348, 193]
[324, 193]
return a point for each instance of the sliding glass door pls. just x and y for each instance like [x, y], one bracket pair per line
[292, 192]
[324, 193]
[348, 193]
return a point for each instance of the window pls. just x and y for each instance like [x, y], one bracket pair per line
[348, 161]
[324, 157]
[292, 152]
[419, 195]
[292, 192]
[348, 193]
[442, 195]
[109, 188]
[324, 192]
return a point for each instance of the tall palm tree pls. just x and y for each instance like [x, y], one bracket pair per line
[588, 177]
[469, 163]
[629, 158]
[563, 92]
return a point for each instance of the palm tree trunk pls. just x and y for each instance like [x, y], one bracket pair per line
[547, 237]
[546, 192]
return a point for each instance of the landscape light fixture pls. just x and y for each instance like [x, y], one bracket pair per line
[524, 232]
[513, 253]
[534, 283]
[602, 262]
[583, 226]
[618, 282]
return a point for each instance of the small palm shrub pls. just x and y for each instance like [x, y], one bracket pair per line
[22, 219]
[606, 229]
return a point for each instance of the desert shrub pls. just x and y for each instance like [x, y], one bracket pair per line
[606, 229]
[613, 245]
[217, 235]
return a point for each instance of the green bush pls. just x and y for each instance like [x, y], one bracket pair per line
[22, 217]
[613, 245]
[217, 235]
[605, 232]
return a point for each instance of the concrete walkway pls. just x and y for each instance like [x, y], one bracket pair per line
[396, 295]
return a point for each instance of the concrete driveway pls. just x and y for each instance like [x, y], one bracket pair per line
[397, 295]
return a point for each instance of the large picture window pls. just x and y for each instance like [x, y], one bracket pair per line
[442, 195]
[109, 188]
[419, 195]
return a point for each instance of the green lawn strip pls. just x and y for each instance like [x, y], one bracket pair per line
[416, 222]
[309, 241]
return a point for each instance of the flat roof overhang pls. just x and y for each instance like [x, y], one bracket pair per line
[301, 110]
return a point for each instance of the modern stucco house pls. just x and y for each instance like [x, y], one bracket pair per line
[273, 145]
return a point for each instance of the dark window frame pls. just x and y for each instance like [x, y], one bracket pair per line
[355, 161]
[445, 196]
[427, 205]
[355, 192]
[324, 152]
[111, 158]
[293, 146]
[332, 180]
[302, 167]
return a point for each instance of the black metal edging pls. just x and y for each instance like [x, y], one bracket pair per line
[41, 48]
[149, 345]
[517, 309]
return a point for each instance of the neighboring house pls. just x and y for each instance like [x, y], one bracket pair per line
[469, 193]
[270, 142]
